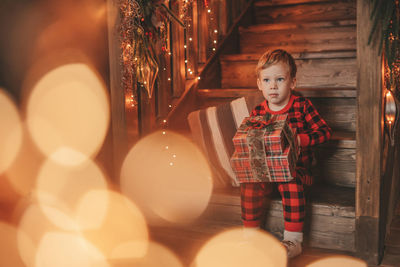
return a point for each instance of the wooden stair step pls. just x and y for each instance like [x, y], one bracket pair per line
[341, 139]
[301, 55]
[232, 93]
[266, 3]
[314, 70]
[302, 11]
[339, 113]
[297, 25]
[330, 221]
[335, 165]
[305, 37]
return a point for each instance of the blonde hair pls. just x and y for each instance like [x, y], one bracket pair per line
[272, 57]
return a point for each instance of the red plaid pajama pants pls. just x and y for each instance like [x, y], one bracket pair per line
[253, 196]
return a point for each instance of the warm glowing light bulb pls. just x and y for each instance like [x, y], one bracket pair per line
[169, 79]
[216, 31]
[164, 121]
[198, 78]
[184, 46]
[388, 94]
[190, 39]
[163, 132]
[170, 106]
[209, 11]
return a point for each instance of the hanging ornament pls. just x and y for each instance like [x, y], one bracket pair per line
[142, 34]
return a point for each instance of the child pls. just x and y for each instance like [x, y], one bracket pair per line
[276, 78]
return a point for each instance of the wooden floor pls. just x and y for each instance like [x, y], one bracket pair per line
[186, 243]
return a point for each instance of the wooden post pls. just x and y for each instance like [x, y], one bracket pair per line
[223, 18]
[194, 44]
[118, 119]
[369, 140]
[178, 56]
[203, 32]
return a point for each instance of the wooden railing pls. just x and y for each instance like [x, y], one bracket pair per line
[188, 50]
[206, 24]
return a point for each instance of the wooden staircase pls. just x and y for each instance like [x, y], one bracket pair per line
[321, 35]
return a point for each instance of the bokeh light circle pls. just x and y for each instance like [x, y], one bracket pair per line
[157, 255]
[167, 175]
[65, 187]
[10, 131]
[66, 250]
[34, 225]
[23, 179]
[68, 109]
[240, 247]
[9, 253]
[123, 233]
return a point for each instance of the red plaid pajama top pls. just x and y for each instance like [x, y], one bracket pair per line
[310, 126]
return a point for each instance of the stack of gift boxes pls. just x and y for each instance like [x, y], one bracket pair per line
[266, 149]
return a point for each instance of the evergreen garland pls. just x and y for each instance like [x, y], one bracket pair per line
[385, 30]
[143, 33]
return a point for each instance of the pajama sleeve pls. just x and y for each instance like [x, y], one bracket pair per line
[318, 132]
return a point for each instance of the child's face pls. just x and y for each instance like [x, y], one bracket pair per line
[276, 85]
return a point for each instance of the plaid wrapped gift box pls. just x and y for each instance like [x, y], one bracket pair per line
[275, 130]
[265, 150]
[278, 168]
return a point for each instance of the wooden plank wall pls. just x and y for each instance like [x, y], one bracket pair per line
[369, 141]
